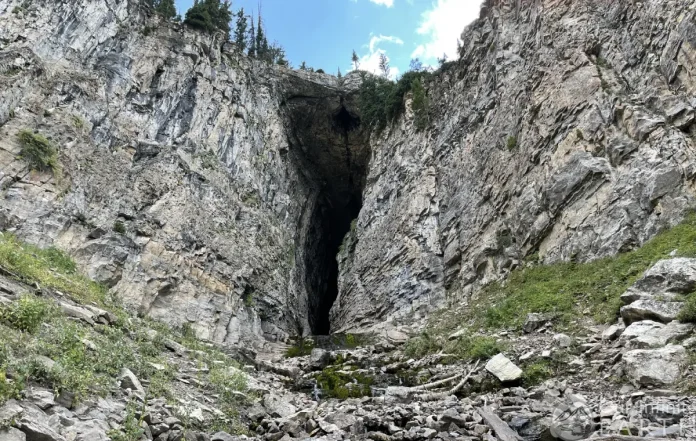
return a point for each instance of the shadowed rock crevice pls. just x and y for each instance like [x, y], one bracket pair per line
[331, 151]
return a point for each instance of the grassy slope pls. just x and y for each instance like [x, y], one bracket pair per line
[570, 292]
[90, 358]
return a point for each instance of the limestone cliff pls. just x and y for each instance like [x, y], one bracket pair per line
[565, 129]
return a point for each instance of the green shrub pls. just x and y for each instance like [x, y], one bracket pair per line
[337, 383]
[381, 100]
[299, 349]
[476, 347]
[131, 429]
[419, 104]
[422, 345]
[38, 151]
[512, 143]
[78, 122]
[119, 227]
[26, 314]
[688, 311]
[537, 373]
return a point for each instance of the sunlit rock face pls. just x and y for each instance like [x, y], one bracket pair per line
[206, 188]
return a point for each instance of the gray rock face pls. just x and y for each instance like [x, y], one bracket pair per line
[656, 367]
[451, 207]
[202, 187]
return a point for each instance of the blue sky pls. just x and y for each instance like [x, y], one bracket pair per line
[323, 33]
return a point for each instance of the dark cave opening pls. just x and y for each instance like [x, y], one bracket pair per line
[330, 223]
[332, 152]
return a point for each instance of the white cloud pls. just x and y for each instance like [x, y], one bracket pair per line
[387, 3]
[442, 27]
[370, 61]
[375, 40]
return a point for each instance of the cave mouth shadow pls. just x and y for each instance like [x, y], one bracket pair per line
[330, 223]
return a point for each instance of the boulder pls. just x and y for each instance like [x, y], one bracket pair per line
[503, 369]
[613, 332]
[562, 340]
[223, 436]
[534, 321]
[34, 424]
[342, 420]
[647, 309]
[650, 334]
[42, 398]
[655, 367]
[130, 381]
[319, 358]
[12, 434]
[278, 406]
[396, 337]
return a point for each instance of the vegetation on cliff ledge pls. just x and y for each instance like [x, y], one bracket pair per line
[569, 292]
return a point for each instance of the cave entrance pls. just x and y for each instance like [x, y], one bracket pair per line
[332, 152]
[330, 223]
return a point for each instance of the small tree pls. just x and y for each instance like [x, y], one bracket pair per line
[166, 9]
[210, 16]
[416, 65]
[241, 30]
[441, 61]
[384, 65]
[261, 42]
[355, 60]
[252, 38]
[303, 66]
[339, 74]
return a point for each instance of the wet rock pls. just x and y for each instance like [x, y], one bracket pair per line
[503, 369]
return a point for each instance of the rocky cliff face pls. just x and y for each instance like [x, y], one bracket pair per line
[194, 182]
[565, 129]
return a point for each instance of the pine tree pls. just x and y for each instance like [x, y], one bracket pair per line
[252, 39]
[303, 66]
[166, 8]
[384, 65]
[339, 74]
[240, 31]
[261, 42]
[210, 16]
[198, 17]
[355, 60]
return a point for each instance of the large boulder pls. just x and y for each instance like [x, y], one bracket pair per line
[650, 334]
[319, 358]
[655, 367]
[278, 406]
[650, 309]
[503, 369]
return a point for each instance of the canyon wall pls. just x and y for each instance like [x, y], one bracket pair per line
[206, 188]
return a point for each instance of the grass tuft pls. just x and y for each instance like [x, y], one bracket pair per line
[38, 151]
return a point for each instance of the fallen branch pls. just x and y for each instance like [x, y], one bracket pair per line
[500, 427]
[434, 384]
[440, 395]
